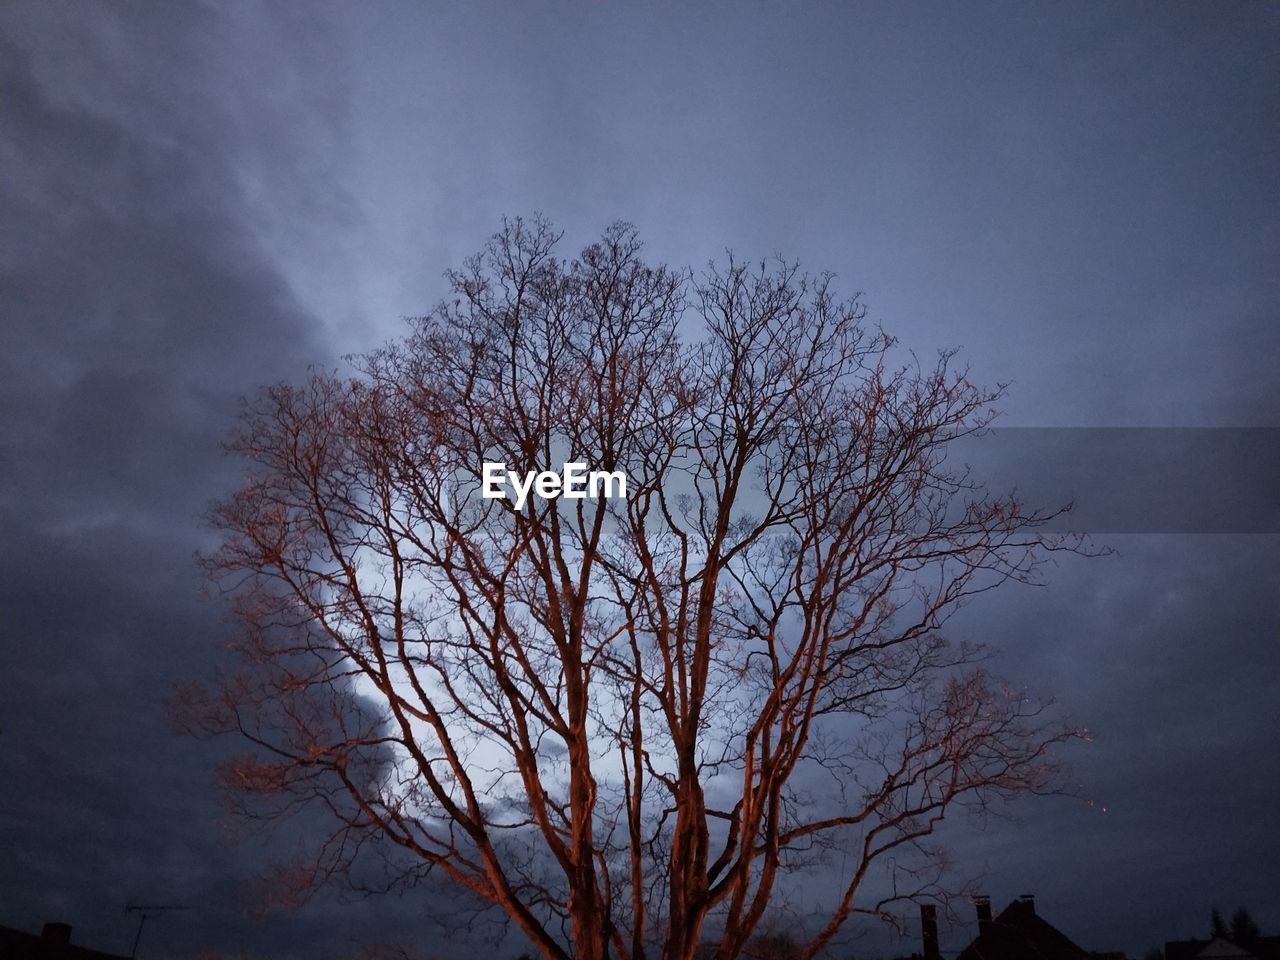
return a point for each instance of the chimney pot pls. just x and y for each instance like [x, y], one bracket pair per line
[983, 905]
[1028, 900]
[929, 930]
[59, 933]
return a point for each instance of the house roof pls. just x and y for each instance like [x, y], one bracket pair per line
[1018, 933]
[1264, 948]
[1220, 949]
[17, 945]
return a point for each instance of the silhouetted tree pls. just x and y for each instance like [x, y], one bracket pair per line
[618, 720]
[1217, 926]
[1244, 932]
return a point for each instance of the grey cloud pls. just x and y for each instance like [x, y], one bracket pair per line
[140, 301]
[199, 198]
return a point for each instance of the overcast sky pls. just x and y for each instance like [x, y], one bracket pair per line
[199, 198]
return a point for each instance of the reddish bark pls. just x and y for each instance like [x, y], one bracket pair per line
[562, 691]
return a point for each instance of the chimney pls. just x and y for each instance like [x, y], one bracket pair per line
[983, 903]
[1028, 901]
[56, 933]
[929, 930]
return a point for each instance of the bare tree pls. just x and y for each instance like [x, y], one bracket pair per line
[623, 721]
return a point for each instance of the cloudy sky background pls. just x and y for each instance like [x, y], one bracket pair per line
[201, 198]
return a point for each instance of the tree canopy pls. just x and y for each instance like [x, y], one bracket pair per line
[624, 721]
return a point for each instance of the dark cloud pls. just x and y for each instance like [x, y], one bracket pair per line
[1166, 651]
[140, 302]
[200, 198]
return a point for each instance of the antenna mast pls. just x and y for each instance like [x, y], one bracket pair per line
[146, 912]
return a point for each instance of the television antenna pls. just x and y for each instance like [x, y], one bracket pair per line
[147, 912]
